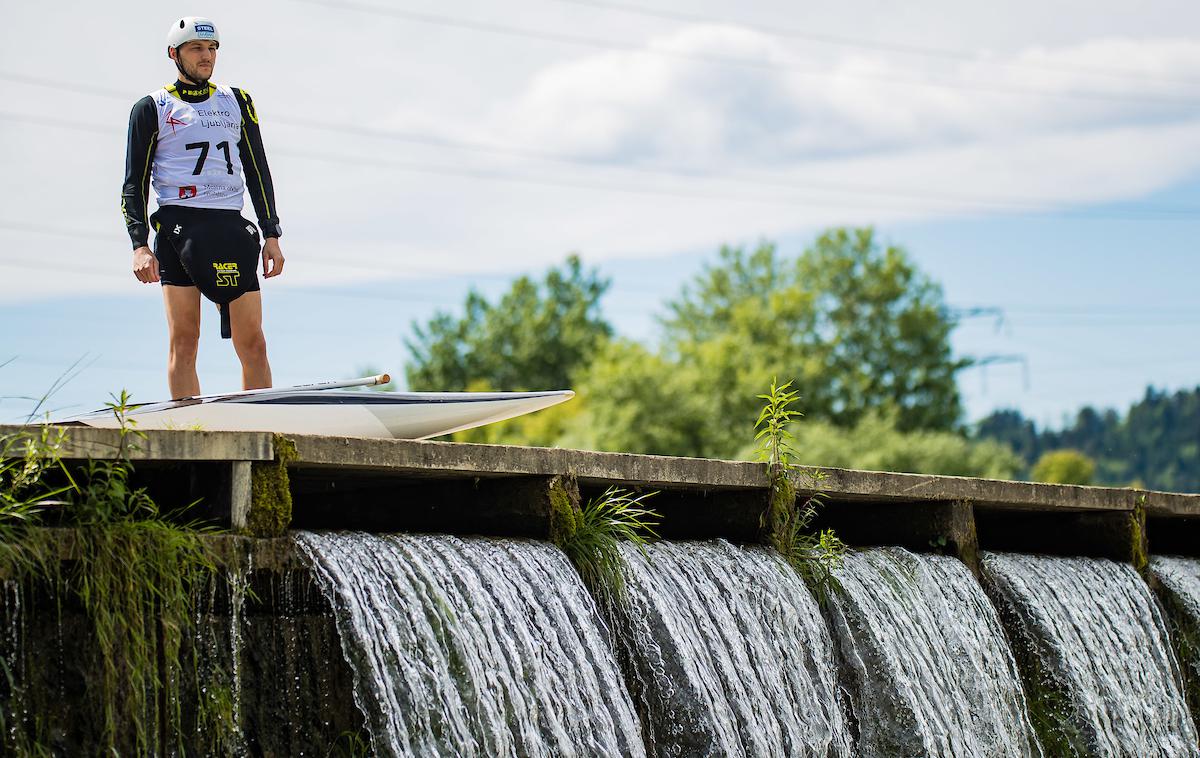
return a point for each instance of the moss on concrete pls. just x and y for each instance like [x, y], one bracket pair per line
[1139, 548]
[565, 511]
[778, 522]
[270, 492]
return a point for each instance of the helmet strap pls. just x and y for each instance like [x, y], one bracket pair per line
[184, 75]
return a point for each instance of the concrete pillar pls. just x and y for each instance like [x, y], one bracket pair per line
[223, 489]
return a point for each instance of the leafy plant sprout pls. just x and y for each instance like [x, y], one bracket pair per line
[774, 439]
[816, 557]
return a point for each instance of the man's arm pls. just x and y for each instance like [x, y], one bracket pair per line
[139, 154]
[254, 164]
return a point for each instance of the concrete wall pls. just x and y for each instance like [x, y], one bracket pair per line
[406, 485]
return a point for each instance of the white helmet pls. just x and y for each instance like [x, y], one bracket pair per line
[191, 28]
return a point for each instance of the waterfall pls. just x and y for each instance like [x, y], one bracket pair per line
[473, 647]
[14, 715]
[928, 667]
[1179, 579]
[1181, 576]
[1096, 653]
[727, 652]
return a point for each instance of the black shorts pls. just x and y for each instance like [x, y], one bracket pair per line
[214, 249]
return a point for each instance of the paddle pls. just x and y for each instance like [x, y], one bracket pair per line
[366, 381]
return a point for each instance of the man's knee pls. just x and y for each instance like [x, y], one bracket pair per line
[184, 341]
[250, 342]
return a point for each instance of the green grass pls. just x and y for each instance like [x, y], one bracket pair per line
[591, 536]
[137, 576]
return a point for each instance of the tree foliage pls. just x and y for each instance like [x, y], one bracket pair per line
[639, 402]
[531, 339]
[875, 444]
[1156, 443]
[856, 323]
[1064, 467]
[861, 333]
[856, 327]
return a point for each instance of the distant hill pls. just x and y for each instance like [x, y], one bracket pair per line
[1156, 444]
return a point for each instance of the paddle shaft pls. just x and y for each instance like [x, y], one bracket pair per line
[366, 381]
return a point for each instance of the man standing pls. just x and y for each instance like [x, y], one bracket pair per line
[192, 141]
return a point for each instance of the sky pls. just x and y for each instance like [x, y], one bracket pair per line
[1040, 161]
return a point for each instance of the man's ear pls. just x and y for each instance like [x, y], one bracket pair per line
[171, 53]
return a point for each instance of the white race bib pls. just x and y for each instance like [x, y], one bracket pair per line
[197, 163]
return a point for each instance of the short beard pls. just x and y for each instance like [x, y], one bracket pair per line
[199, 81]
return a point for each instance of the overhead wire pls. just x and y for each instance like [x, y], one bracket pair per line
[712, 59]
[875, 45]
[946, 202]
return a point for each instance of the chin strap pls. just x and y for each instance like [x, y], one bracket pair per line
[226, 331]
[185, 76]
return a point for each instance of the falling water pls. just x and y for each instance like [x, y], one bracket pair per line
[475, 646]
[929, 670]
[1180, 582]
[1182, 577]
[239, 585]
[13, 715]
[728, 652]
[1098, 654]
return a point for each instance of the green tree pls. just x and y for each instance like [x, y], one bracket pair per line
[1064, 467]
[638, 402]
[856, 324]
[875, 444]
[533, 338]
[1155, 442]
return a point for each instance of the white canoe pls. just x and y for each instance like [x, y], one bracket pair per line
[400, 415]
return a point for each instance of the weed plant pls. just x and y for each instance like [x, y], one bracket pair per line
[788, 523]
[136, 574]
[591, 536]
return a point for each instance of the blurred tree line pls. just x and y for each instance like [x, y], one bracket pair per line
[860, 330]
[1156, 444]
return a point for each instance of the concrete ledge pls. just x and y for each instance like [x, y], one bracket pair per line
[382, 463]
[84, 442]
[877, 486]
[425, 458]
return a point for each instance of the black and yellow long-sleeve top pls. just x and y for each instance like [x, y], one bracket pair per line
[179, 143]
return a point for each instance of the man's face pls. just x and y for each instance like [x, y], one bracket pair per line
[197, 58]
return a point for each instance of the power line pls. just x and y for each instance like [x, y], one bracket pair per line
[956, 201]
[882, 46]
[948, 202]
[573, 39]
[1156, 213]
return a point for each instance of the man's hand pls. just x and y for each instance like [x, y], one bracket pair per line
[272, 253]
[145, 265]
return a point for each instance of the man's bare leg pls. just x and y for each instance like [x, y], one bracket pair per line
[245, 321]
[183, 328]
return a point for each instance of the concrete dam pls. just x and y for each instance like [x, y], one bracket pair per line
[403, 598]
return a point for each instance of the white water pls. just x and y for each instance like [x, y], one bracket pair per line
[1182, 577]
[239, 585]
[729, 652]
[1098, 632]
[473, 647]
[929, 669]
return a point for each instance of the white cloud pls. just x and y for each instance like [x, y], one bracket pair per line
[663, 153]
[642, 107]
